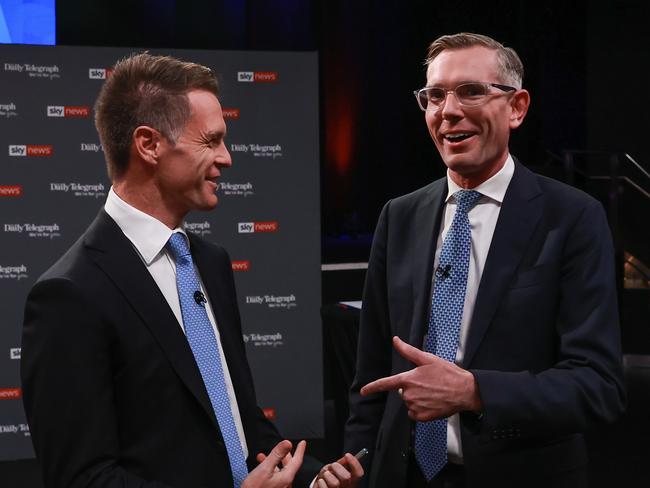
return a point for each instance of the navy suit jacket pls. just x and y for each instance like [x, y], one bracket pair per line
[543, 342]
[111, 390]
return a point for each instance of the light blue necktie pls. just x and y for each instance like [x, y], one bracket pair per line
[203, 343]
[444, 324]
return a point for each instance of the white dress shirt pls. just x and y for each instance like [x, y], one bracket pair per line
[482, 220]
[149, 237]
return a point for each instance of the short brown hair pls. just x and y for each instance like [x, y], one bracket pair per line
[146, 90]
[511, 69]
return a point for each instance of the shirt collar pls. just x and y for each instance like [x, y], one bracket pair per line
[147, 234]
[494, 187]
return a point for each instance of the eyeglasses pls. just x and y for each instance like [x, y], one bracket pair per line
[467, 94]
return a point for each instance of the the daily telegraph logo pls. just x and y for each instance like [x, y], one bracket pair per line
[91, 147]
[264, 340]
[231, 113]
[199, 228]
[257, 76]
[49, 231]
[241, 265]
[99, 73]
[95, 190]
[31, 150]
[34, 71]
[236, 189]
[272, 301]
[17, 273]
[10, 393]
[68, 111]
[258, 150]
[8, 110]
[11, 190]
[255, 227]
[14, 353]
[15, 429]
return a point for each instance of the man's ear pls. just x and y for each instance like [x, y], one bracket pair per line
[519, 103]
[146, 143]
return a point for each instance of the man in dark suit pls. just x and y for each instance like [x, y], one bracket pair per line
[486, 371]
[134, 368]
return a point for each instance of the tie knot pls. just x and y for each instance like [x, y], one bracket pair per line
[177, 245]
[466, 199]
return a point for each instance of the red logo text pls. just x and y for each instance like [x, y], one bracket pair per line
[230, 113]
[265, 76]
[10, 393]
[11, 190]
[266, 226]
[241, 265]
[39, 151]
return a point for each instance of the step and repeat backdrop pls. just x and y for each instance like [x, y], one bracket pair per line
[53, 181]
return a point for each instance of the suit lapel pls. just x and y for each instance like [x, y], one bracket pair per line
[520, 212]
[426, 229]
[114, 254]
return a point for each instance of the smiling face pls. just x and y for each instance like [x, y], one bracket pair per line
[473, 141]
[187, 171]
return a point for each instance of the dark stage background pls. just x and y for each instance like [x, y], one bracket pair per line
[585, 71]
[582, 60]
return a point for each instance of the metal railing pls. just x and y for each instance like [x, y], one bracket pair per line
[623, 173]
[619, 168]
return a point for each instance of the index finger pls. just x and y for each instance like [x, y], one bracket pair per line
[384, 384]
[413, 354]
[296, 460]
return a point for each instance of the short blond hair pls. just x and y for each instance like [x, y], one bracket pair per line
[511, 69]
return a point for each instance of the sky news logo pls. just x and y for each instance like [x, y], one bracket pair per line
[11, 190]
[10, 393]
[257, 76]
[253, 227]
[14, 353]
[32, 150]
[68, 111]
[231, 113]
[99, 73]
[241, 265]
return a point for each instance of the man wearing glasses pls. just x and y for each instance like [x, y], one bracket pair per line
[489, 334]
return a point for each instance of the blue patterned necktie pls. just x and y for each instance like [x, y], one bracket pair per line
[203, 343]
[444, 324]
